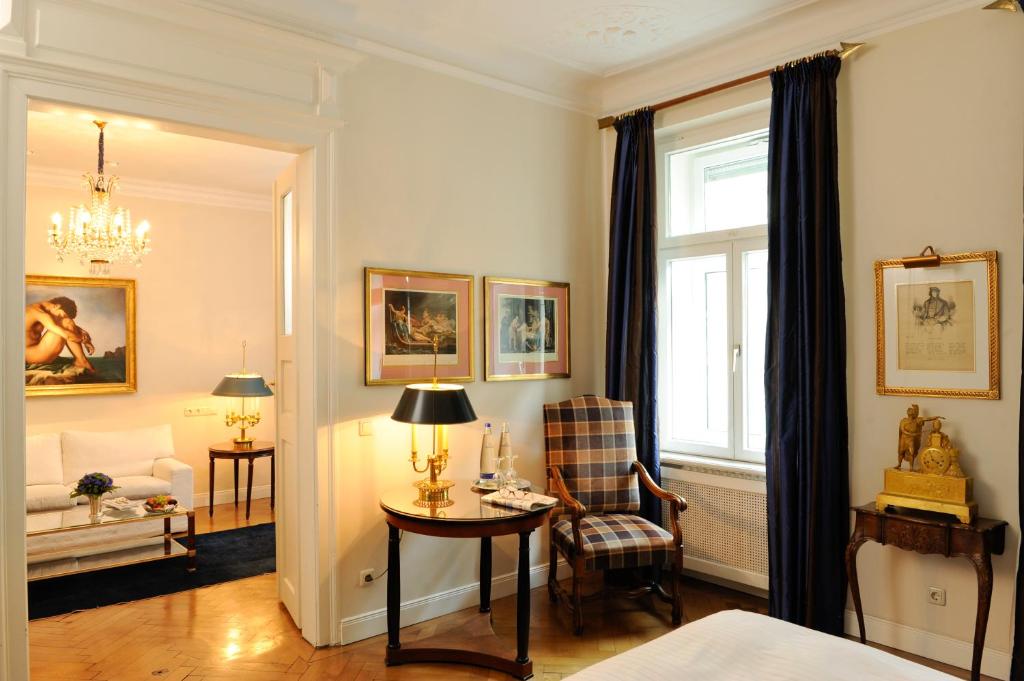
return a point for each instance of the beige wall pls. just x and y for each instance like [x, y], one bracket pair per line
[932, 152]
[207, 285]
[438, 174]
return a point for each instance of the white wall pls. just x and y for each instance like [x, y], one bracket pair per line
[932, 152]
[442, 175]
[207, 285]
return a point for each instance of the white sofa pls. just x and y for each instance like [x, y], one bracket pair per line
[140, 461]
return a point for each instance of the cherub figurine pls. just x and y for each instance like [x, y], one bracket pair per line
[910, 435]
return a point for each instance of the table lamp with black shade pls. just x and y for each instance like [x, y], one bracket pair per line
[438, 405]
[247, 386]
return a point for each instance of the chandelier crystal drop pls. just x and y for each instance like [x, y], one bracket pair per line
[99, 234]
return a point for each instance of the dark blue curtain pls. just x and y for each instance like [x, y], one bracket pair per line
[631, 349]
[805, 367]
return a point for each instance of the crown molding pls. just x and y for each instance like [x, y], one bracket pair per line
[162, 191]
[542, 79]
[805, 30]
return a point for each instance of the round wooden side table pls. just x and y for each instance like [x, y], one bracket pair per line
[236, 453]
[469, 516]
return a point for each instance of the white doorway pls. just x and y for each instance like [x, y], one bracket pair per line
[309, 503]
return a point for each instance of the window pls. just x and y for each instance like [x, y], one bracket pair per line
[713, 270]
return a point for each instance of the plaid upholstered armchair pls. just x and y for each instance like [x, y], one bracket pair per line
[594, 472]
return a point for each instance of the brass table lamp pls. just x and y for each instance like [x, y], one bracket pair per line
[245, 385]
[438, 405]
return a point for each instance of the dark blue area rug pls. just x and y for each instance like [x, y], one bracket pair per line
[220, 557]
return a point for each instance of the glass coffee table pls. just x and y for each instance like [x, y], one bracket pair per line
[83, 546]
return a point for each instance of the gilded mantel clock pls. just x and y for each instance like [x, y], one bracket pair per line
[935, 481]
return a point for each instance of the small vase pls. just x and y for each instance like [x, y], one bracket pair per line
[95, 507]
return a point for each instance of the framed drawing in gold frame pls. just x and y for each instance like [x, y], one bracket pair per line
[937, 328]
[79, 336]
[405, 311]
[526, 329]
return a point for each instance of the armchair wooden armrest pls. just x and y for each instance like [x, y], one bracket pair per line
[576, 509]
[676, 503]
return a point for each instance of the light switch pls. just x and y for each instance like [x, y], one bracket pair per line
[200, 411]
[365, 428]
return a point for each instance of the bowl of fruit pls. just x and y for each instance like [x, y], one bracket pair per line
[161, 503]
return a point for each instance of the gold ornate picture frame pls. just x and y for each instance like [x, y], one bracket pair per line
[80, 336]
[937, 327]
[527, 334]
[405, 311]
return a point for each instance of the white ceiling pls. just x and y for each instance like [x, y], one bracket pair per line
[65, 138]
[589, 55]
[595, 36]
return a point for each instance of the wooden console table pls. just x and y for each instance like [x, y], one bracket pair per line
[235, 453]
[936, 534]
[474, 643]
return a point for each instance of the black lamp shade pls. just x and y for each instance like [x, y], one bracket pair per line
[442, 404]
[246, 385]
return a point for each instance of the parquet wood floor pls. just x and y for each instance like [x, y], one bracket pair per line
[239, 632]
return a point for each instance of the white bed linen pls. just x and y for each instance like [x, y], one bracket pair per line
[741, 646]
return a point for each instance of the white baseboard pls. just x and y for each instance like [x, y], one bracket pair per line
[227, 496]
[372, 623]
[726, 575]
[994, 663]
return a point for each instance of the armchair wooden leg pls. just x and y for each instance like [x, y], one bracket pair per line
[577, 597]
[677, 591]
[553, 573]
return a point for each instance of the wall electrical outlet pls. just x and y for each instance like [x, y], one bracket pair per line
[365, 577]
[936, 596]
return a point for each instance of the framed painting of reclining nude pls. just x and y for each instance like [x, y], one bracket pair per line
[407, 313]
[526, 329]
[79, 336]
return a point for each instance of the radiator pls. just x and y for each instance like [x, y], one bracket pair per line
[725, 530]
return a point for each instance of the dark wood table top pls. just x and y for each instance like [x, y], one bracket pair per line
[927, 518]
[469, 516]
[231, 450]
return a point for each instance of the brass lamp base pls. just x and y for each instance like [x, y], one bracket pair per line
[433, 494]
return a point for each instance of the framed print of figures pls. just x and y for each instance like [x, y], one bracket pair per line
[938, 327]
[405, 312]
[526, 329]
[79, 336]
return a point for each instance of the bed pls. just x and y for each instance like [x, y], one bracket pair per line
[734, 645]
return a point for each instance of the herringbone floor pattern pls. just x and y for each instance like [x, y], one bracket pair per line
[238, 632]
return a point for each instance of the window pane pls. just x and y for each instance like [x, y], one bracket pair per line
[755, 320]
[719, 186]
[287, 257]
[698, 352]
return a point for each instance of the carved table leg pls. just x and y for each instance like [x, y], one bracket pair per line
[394, 588]
[523, 600]
[856, 541]
[983, 566]
[485, 574]
[211, 484]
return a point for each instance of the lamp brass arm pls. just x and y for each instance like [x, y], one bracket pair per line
[676, 503]
[576, 509]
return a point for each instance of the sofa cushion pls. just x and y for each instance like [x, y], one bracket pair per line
[116, 453]
[42, 460]
[47, 498]
[140, 486]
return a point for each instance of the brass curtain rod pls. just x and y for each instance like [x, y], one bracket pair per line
[845, 50]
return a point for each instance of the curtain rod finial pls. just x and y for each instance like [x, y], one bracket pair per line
[1006, 5]
[846, 49]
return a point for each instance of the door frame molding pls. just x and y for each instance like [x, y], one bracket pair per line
[22, 80]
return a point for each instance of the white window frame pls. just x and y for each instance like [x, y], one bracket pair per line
[732, 244]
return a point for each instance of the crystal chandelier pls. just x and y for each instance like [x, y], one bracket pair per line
[99, 234]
